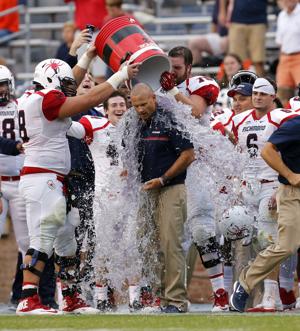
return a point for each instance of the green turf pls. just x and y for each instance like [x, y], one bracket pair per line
[149, 323]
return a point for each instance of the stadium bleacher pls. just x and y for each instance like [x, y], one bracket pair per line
[174, 23]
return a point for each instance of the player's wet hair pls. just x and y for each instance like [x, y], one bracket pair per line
[184, 52]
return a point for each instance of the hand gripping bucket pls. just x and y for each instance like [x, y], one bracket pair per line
[121, 39]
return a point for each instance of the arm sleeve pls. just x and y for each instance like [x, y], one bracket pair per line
[52, 102]
[8, 146]
[76, 130]
[208, 92]
[89, 132]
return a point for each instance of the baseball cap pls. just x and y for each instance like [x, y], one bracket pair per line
[244, 89]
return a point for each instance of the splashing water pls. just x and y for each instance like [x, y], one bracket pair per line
[126, 246]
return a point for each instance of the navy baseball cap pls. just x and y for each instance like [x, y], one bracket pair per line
[243, 88]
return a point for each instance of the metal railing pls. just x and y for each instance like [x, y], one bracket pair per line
[25, 29]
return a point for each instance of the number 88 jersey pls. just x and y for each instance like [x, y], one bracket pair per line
[250, 133]
[9, 128]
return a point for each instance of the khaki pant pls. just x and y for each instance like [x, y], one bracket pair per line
[248, 41]
[169, 214]
[288, 241]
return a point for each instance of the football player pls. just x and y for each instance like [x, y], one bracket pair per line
[260, 182]
[47, 115]
[199, 92]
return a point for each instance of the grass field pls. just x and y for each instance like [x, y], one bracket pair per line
[228, 322]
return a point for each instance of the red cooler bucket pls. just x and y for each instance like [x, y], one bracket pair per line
[121, 39]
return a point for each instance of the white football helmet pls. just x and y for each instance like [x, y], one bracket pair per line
[6, 77]
[236, 223]
[55, 74]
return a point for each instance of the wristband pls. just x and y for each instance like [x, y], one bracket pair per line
[164, 179]
[118, 78]
[84, 62]
[174, 91]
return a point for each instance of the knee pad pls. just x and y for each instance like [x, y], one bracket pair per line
[68, 267]
[35, 257]
[210, 253]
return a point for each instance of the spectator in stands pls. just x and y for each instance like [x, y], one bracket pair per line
[288, 37]
[8, 23]
[114, 9]
[214, 43]
[67, 50]
[247, 30]
[91, 12]
[230, 66]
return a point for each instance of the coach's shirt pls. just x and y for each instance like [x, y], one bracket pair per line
[160, 145]
[287, 141]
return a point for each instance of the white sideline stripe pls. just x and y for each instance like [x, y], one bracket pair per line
[139, 329]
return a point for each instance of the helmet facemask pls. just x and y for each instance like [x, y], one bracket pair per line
[68, 86]
[5, 92]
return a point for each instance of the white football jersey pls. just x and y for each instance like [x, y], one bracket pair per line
[9, 128]
[47, 146]
[294, 103]
[104, 144]
[222, 116]
[250, 132]
[205, 87]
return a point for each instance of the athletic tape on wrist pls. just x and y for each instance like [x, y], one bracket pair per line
[84, 62]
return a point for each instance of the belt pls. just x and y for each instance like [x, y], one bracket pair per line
[262, 181]
[265, 181]
[10, 178]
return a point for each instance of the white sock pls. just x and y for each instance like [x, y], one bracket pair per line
[269, 293]
[101, 292]
[277, 296]
[134, 293]
[216, 276]
[59, 293]
[228, 276]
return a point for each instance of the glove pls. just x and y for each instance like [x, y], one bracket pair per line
[167, 80]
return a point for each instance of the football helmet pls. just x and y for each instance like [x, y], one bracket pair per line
[236, 223]
[242, 76]
[6, 76]
[55, 74]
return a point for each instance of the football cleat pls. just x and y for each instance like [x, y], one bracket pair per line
[221, 302]
[33, 306]
[109, 304]
[73, 304]
[239, 297]
[171, 309]
[288, 298]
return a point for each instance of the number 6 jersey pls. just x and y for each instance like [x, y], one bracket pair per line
[9, 128]
[250, 133]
